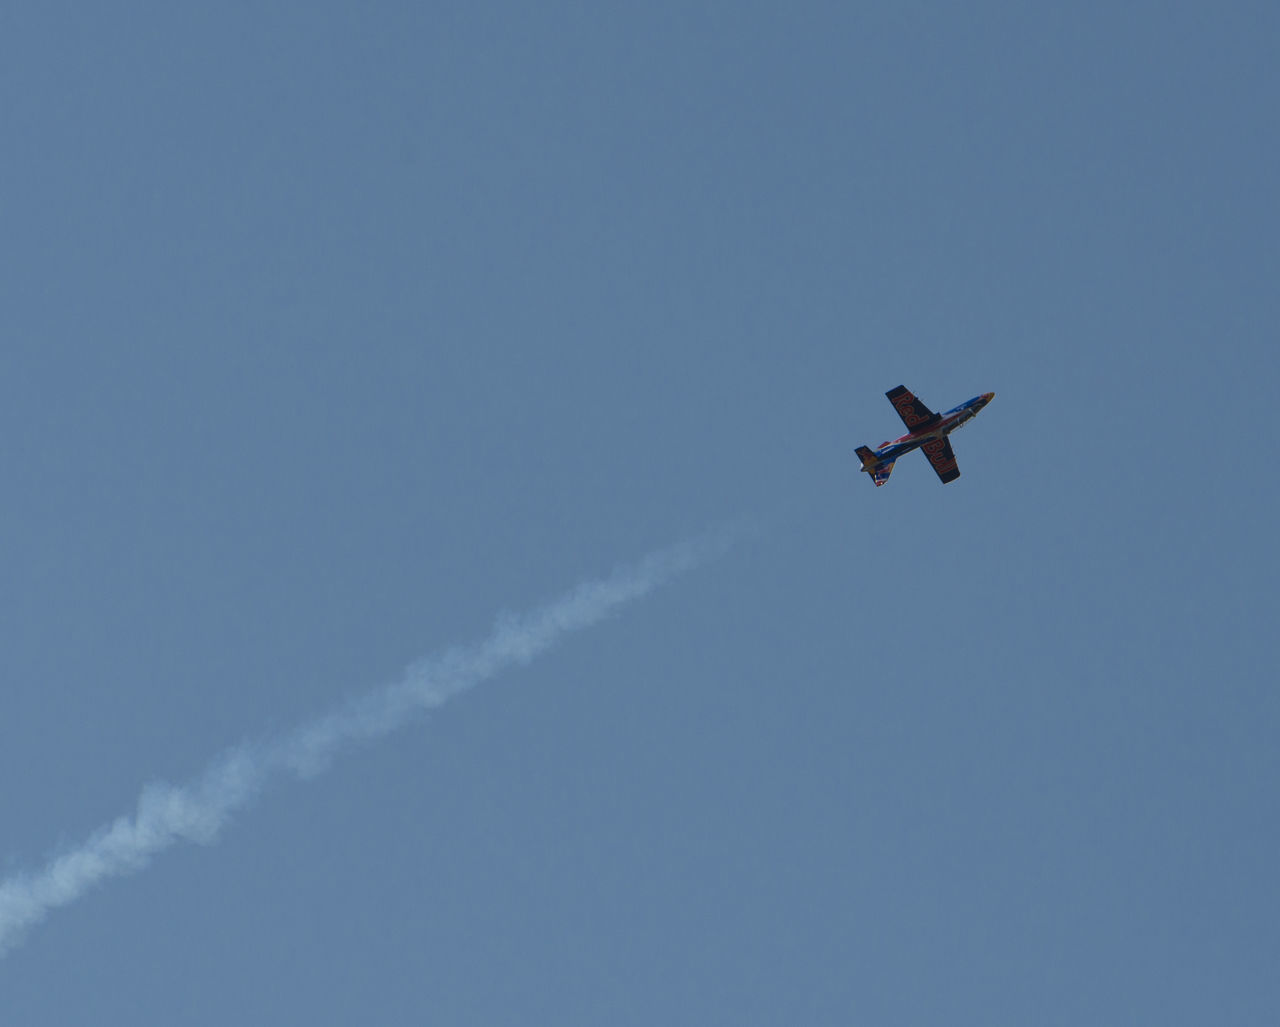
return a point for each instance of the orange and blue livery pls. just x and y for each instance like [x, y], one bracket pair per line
[926, 431]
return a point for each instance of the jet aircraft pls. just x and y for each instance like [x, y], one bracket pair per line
[926, 431]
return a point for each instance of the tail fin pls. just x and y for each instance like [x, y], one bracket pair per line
[874, 466]
[868, 457]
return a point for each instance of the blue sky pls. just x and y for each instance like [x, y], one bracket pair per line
[330, 334]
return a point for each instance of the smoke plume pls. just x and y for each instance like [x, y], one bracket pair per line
[199, 810]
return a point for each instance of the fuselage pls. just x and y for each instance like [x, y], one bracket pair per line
[949, 422]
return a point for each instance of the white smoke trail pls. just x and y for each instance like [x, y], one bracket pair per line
[198, 810]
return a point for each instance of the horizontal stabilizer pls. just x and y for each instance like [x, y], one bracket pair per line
[873, 465]
[881, 474]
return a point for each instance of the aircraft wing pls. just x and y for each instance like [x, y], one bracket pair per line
[915, 415]
[942, 459]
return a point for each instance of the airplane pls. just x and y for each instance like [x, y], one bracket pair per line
[926, 431]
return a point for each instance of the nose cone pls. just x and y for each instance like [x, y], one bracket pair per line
[987, 397]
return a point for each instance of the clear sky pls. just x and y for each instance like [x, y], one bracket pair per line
[331, 332]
